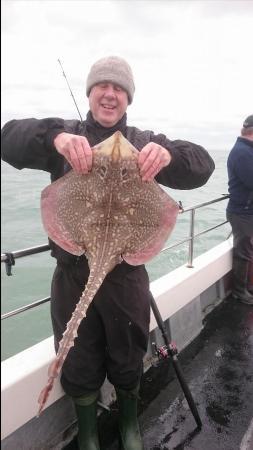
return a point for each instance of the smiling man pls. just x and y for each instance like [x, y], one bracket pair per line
[108, 102]
[106, 345]
[110, 89]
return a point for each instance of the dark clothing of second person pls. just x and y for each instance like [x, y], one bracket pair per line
[240, 177]
[113, 338]
[240, 216]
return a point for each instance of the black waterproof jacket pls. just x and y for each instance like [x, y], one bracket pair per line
[28, 143]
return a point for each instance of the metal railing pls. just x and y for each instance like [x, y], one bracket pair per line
[9, 258]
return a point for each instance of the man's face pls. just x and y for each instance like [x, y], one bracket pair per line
[108, 103]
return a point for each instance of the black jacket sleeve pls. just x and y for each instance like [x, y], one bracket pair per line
[28, 143]
[191, 165]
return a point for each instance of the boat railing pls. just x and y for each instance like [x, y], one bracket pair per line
[9, 258]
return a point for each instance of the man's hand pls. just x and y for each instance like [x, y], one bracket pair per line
[76, 149]
[152, 158]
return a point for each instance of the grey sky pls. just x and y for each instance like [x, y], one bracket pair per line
[192, 61]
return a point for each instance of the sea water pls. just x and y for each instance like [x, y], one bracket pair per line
[31, 276]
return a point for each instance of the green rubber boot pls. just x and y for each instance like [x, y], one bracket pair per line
[128, 422]
[86, 410]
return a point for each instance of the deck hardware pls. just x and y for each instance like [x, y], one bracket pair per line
[163, 352]
[9, 262]
[181, 208]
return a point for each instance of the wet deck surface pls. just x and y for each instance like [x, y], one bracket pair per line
[218, 368]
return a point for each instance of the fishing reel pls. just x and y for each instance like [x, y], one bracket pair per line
[165, 351]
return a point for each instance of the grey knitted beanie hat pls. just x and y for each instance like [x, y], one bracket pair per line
[112, 69]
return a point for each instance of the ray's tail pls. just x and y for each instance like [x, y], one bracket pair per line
[69, 335]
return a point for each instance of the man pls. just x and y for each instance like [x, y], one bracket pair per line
[240, 212]
[106, 344]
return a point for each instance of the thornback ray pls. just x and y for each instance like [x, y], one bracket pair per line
[109, 215]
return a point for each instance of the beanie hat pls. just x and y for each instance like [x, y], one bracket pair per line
[112, 69]
[248, 122]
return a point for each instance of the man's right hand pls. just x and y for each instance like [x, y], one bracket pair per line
[76, 149]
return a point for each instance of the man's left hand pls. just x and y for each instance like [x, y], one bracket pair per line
[152, 158]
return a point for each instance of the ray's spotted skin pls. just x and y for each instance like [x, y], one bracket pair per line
[109, 214]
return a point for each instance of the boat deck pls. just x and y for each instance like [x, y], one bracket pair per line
[218, 367]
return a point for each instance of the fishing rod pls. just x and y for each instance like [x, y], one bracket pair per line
[169, 350]
[71, 93]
